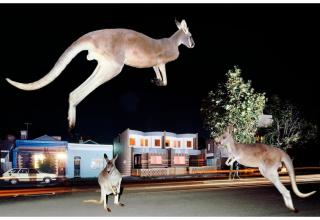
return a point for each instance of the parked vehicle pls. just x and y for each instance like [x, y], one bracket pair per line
[16, 175]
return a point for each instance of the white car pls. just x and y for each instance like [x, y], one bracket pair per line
[16, 175]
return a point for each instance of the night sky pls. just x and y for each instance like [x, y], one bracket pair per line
[276, 46]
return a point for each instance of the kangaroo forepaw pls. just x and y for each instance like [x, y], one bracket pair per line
[108, 209]
[120, 204]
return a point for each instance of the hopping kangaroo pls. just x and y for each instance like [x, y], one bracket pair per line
[267, 158]
[112, 49]
[110, 181]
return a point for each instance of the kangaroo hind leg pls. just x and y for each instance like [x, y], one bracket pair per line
[104, 71]
[271, 173]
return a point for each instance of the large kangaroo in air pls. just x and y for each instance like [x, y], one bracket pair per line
[112, 49]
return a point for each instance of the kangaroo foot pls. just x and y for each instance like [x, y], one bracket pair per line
[158, 82]
[108, 209]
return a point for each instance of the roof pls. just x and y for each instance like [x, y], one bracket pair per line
[40, 143]
[89, 142]
[45, 138]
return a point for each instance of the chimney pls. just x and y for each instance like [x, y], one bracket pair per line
[23, 134]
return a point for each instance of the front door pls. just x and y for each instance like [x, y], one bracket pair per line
[23, 175]
[77, 166]
[137, 161]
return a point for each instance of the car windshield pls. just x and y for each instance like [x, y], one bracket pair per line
[14, 171]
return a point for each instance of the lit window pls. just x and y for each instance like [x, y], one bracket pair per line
[157, 142]
[175, 143]
[179, 144]
[156, 160]
[189, 144]
[132, 141]
[142, 142]
[96, 164]
[179, 160]
[167, 143]
[146, 143]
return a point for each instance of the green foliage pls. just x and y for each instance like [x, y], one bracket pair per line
[49, 164]
[289, 127]
[236, 103]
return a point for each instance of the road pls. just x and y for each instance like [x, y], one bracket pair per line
[229, 200]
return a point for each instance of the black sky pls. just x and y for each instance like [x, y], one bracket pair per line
[276, 46]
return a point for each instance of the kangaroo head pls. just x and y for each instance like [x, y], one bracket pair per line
[186, 38]
[225, 137]
[110, 163]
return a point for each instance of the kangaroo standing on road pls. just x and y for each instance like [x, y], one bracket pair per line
[112, 49]
[110, 181]
[267, 158]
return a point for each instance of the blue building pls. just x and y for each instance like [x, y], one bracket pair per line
[45, 153]
[86, 160]
[70, 160]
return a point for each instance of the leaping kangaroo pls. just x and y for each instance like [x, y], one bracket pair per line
[112, 48]
[267, 158]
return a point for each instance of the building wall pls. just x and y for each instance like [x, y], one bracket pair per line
[92, 159]
[125, 157]
[132, 144]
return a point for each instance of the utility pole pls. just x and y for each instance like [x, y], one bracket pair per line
[27, 124]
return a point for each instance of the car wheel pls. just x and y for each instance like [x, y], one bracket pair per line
[13, 181]
[47, 180]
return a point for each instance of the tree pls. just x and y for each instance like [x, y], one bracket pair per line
[289, 127]
[48, 165]
[236, 103]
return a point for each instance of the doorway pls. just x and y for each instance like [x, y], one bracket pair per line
[77, 161]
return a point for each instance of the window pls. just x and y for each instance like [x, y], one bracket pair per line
[179, 160]
[179, 144]
[15, 171]
[157, 142]
[167, 144]
[189, 144]
[132, 141]
[33, 171]
[175, 143]
[96, 164]
[209, 147]
[23, 171]
[142, 142]
[146, 143]
[156, 160]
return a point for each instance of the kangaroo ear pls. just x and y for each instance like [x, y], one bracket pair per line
[184, 24]
[178, 24]
[116, 157]
[106, 156]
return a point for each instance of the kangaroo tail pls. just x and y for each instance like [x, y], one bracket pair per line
[93, 201]
[60, 65]
[288, 163]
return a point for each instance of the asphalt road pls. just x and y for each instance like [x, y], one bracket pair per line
[230, 201]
